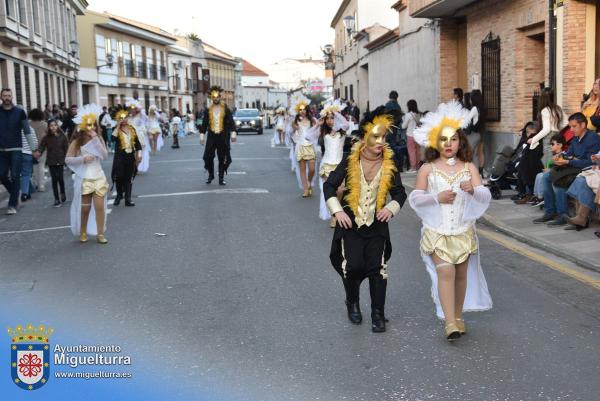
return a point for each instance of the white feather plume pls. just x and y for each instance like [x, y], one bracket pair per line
[86, 110]
[451, 111]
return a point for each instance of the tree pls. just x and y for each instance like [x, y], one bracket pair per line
[193, 36]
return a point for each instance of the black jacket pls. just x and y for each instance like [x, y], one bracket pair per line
[337, 177]
[228, 123]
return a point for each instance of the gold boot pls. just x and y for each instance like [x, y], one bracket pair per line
[460, 323]
[310, 191]
[452, 332]
[83, 238]
[306, 194]
[101, 239]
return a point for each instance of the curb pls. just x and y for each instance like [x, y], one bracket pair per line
[493, 222]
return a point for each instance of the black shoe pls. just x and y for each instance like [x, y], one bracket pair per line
[516, 197]
[377, 321]
[128, 202]
[222, 182]
[210, 179]
[25, 197]
[63, 198]
[545, 218]
[354, 314]
[117, 200]
[559, 221]
[57, 203]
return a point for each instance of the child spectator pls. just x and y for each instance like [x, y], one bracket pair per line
[530, 164]
[56, 144]
[557, 144]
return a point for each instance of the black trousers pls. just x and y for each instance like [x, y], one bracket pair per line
[219, 144]
[56, 173]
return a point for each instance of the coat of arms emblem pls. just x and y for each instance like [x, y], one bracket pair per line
[30, 356]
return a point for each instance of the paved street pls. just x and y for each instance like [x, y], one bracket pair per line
[239, 299]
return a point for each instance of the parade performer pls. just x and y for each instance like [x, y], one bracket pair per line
[332, 138]
[217, 132]
[154, 130]
[84, 156]
[361, 246]
[304, 135]
[139, 121]
[128, 154]
[280, 123]
[449, 197]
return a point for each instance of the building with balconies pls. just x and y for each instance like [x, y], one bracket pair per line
[199, 72]
[181, 85]
[123, 59]
[222, 72]
[39, 50]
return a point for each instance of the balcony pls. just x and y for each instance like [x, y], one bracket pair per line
[132, 73]
[142, 70]
[436, 8]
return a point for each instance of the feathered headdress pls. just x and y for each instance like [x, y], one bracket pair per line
[299, 103]
[451, 114]
[376, 121]
[215, 91]
[87, 117]
[335, 106]
[121, 113]
[134, 104]
[280, 110]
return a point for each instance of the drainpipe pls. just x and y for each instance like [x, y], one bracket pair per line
[552, 33]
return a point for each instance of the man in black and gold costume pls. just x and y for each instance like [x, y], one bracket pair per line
[217, 132]
[128, 154]
[361, 244]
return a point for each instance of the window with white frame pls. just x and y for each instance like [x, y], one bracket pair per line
[22, 12]
[36, 16]
[48, 22]
[9, 6]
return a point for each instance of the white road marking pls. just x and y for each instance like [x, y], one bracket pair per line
[201, 160]
[34, 230]
[236, 173]
[210, 191]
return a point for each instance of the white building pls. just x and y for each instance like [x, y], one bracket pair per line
[39, 51]
[292, 73]
[259, 91]
[403, 60]
[356, 23]
[179, 67]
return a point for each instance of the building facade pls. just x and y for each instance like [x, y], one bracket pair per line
[222, 69]
[181, 85]
[509, 49]
[39, 51]
[139, 61]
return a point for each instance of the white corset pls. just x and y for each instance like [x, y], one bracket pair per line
[451, 214]
[91, 170]
[300, 135]
[334, 148]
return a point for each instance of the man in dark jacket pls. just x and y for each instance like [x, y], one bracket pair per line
[361, 245]
[68, 126]
[13, 122]
[216, 132]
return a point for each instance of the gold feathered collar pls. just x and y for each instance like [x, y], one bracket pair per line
[353, 177]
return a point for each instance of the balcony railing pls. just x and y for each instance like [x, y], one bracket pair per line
[142, 70]
[128, 69]
[163, 73]
[153, 71]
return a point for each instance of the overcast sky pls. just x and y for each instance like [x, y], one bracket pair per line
[261, 31]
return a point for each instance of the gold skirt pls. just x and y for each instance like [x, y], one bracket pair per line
[454, 249]
[305, 152]
[97, 187]
[326, 169]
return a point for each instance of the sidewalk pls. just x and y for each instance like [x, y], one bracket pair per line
[582, 248]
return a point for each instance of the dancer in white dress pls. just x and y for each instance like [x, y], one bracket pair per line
[280, 125]
[333, 136]
[449, 197]
[87, 150]
[153, 129]
[139, 121]
[305, 135]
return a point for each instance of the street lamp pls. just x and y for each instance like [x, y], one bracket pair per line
[74, 47]
[349, 24]
[109, 62]
[328, 56]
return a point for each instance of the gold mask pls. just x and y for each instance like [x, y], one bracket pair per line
[445, 138]
[121, 115]
[375, 132]
[89, 123]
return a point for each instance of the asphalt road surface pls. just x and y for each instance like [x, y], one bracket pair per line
[238, 296]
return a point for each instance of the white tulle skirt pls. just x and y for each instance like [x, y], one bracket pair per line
[75, 211]
[145, 163]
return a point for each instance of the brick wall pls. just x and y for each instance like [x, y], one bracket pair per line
[574, 55]
[447, 56]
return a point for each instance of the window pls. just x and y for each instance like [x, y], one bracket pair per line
[22, 12]
[107, 46]
[38, 89]
[18, 84]
[48, 21]
[490, 76]
[10, 8]
[36, 16]
[46, 89]
[27, 88]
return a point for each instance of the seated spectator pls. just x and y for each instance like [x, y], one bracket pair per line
[591, 107]
[582, 190]
[579, 156]
[557, 145]
[531, 163]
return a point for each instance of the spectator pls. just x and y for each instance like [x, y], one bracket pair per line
[26, 168]
[458, 95]
[55, 144]
[530, 164]
[591, 107]
[56, 113]
[103, 127]
[582, 190]
[175, 126]
[584, 145]
[13, 125]
[68, 126]
[557, 145]
[40, 127]
[47, 112]
[108, 124]
[410, 121]
[353, 111]
[549, 119]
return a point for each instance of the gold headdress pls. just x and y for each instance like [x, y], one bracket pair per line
[215, 92]
[134, 104]
[448, 115]
[379, 124]
[299, 103]
[331, 107]
[121, 114]
[87, 117]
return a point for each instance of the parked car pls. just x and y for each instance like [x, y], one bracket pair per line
[247, 120]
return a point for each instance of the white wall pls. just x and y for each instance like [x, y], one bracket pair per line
[252, 94]
[252, 80]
